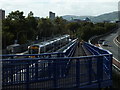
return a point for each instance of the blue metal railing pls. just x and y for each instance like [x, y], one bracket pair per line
[106, 60]
[57, 71]
[51, 71]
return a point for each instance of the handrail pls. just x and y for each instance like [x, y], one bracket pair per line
[55, 70]
[96, 49]
[58, 58]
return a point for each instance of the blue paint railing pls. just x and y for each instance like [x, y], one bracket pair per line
[52, 73]
[57, 72]
[107, 60]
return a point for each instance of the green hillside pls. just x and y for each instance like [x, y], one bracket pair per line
[113, 16]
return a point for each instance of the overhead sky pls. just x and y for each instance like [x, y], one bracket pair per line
[41, 8]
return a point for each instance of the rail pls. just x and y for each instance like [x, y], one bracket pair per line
[106, 61]
[51, 72]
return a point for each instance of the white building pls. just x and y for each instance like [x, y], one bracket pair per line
[51, 15]
[2, 14]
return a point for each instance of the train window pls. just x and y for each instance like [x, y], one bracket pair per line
[33, 50]
[47, 47]
[42, 50]
[33, 47]
[29, 51]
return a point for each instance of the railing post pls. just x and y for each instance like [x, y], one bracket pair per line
[77, 73]
[27, 75]
[36, 70]
[11, 69]
[99, 70]
[49, 67]
[59, 65]
[90, 69]
[49, 56]
[110, 65]
[54, 74]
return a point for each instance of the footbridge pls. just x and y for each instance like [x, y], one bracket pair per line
[81, 65]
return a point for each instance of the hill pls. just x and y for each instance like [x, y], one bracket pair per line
[113, 16]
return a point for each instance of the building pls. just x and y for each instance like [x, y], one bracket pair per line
[79, 20]
[51, 15]
[2, 14]
[75, 20]
[87, 19]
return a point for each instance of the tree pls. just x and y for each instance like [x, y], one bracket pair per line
[60, 25]
[16, 23]
[7, 38]
[86, 32]
[73, 26]
[99, 30]
[109, 26]
[31, 26]
[30, 14]
[45, 27]
[17, 15]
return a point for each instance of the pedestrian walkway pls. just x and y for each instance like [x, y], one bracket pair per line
[81, 50]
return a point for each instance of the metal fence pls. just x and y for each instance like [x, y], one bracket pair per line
[107, 60]
[57, 72]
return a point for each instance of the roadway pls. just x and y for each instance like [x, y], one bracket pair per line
[113, 47]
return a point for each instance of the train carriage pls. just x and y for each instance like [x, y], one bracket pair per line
[49, 46]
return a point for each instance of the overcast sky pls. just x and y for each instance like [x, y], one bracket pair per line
[41, 8]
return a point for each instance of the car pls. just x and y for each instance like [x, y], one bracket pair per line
[101, 41]
[104, 43]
